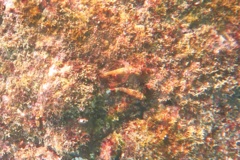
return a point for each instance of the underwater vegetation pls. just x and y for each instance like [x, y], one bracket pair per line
[118, 79]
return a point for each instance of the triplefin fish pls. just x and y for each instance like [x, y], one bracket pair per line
[120, 71]
[131, 92]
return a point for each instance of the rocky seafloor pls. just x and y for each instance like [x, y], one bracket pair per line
[118, 79]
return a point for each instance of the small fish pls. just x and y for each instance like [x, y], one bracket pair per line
[120, 71]
[82, 120]
[130, 92]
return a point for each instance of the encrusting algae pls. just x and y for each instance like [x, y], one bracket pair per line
[172, 68]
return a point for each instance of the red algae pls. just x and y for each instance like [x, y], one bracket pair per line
[137, 79]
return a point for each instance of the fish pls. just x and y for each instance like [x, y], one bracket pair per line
[120, 71]
[82, 120]
[131, 92]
